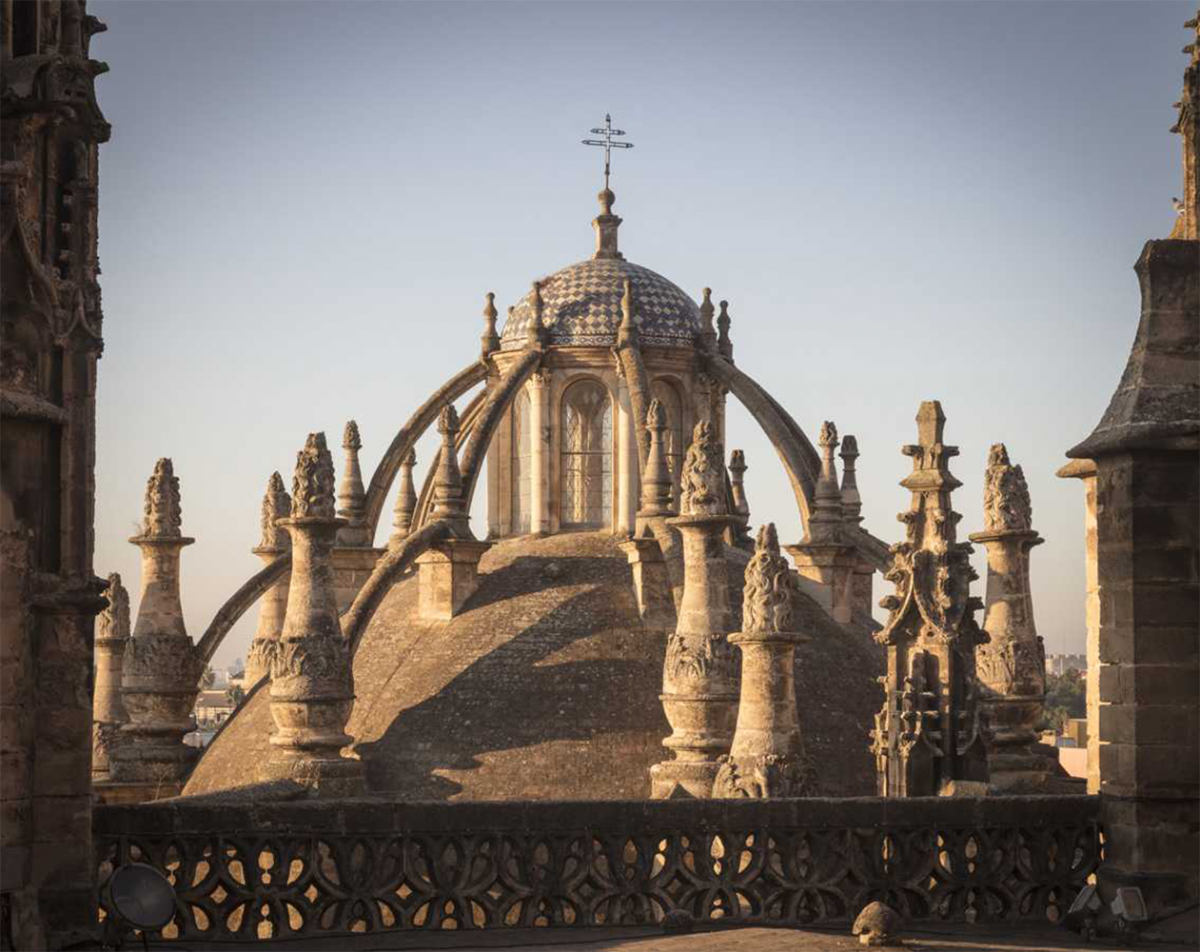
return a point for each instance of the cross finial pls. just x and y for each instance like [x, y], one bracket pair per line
[607, 143]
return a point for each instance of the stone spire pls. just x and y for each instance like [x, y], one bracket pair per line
[1011, 666]
[352, 496]
[108, 709]
[724, 342]
[825, 524]
[606, 225]
[708, 333]
[312, 685]
[448, 502]
[927, 736]
[161, 668]
[851, 500]
[406, 502]
[767, 758]
[700, 671]
[490, 339]
[276, 541]
[657, 498]
[1187, 225]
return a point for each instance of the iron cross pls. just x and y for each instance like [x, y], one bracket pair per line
[607, 142]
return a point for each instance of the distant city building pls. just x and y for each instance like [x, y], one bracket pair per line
[212, 707]
[1060, 664]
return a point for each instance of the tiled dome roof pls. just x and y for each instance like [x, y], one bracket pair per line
[581, 304]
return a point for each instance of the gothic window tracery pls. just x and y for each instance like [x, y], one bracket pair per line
[587, 457]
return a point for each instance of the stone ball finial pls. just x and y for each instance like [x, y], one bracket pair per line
[489, 309]
[878, 924]
[829, 435]
[163, 509]
[607, 198]
[276, 504]
[313, 482]
[113, 621]
[849, 447]
[737, 462]
[770, 591]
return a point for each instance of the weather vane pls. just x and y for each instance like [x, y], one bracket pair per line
[607, 142]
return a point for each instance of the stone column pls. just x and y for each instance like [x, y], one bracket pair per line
[539, 453]
[275, 542]
[1085, 471]
[312, 683]
[489, 341]
[406, 502]
[1145, 450]
[108, 710]
[651, 580]
[700, 684]
[354, 556]
[1011, 665]
[162, 668]
[824, 556]
[767, 758]
[724, 341]
[448, 572]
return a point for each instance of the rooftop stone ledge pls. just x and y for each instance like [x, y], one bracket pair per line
[243, 815]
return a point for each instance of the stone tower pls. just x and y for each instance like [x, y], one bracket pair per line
[50, 341]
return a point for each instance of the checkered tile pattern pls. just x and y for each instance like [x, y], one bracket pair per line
[581, 304]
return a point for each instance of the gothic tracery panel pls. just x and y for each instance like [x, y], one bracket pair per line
[586, 436]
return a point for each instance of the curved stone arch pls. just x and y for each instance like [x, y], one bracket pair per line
[254, 587]
[392, 565]
[403, 442]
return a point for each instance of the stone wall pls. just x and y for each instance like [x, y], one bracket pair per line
[246, 871]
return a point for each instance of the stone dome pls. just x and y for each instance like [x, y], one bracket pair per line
[581, 304]
[547, 686]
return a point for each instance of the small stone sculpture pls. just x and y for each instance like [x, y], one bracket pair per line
[313, 481]
[1006, 504]
[702, 481]
[276, 504]
[163, 511]
[878, 924]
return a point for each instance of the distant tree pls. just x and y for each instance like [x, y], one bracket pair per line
[235, 695]
[1066, 697]
[208, 679]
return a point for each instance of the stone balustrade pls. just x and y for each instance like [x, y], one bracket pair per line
[256, 870]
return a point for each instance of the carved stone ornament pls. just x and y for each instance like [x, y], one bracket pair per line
[313, 482]
[770, 587]
[699, 658]
[702, 480]
[299, 665]
[763, 777]
[1006, 505]
[112, 624]
[163, 511]
[276, 504]
[167, 659]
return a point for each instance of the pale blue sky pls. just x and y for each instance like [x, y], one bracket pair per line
[303, 205]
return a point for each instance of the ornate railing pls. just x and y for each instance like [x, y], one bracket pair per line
[265, 871]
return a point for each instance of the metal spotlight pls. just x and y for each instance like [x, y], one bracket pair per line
[139, 898]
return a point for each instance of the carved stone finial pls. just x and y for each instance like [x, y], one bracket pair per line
[627, 333]
[1006, 504]
[657, 499]
[313, 481]
[708, 333]
[448, 484]
[724, 342]
[163, 511]
[533, 333]
[851, 498]
[406, 501]
[490, 339]
[276, 504]
[447, 423]
[770, 588]
[605, 225]
[702, 480]
[352, 495]
[1187, 222]
[828, 439]
[112, 624]
[350, 438]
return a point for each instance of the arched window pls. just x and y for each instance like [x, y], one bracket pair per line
[674, 441]
[521, 469]
[587, 475]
